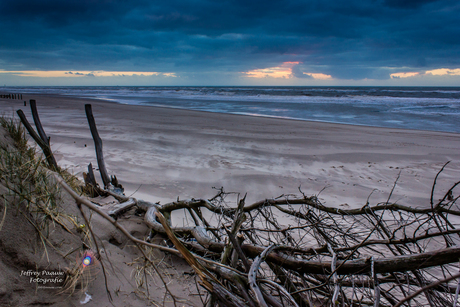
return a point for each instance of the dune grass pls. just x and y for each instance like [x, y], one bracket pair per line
[27, 181]
[32, 191]
[31, 188]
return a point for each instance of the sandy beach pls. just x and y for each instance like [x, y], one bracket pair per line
[160, 154]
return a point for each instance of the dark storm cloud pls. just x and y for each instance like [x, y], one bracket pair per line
[346, 39]
[409, 4]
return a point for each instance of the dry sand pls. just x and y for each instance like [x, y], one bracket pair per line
[32, 275]
[160, 154]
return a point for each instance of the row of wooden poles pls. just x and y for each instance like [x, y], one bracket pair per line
[11, 96]
[43, 141]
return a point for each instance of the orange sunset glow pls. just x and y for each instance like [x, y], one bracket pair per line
[433, 72]
[282, 71]
[318, 76]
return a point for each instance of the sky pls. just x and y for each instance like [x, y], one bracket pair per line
[230, 42]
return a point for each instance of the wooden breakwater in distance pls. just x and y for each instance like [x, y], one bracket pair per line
[11, 96]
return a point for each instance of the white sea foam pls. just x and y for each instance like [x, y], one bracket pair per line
[424, 108]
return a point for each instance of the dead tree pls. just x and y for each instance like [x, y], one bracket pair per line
[377, 255]
[323, 255]
[320, 256]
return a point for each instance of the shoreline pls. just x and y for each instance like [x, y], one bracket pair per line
[164, 153]
[153, 105]
[100, 100]
[351, 106]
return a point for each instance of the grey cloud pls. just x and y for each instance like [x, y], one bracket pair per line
[346, 39]
[298, 73]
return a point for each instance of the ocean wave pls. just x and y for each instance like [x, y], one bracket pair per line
[412, 107]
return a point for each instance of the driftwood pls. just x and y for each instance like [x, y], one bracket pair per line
[353, 261]
[297, 252]
[253, 273]
[98, 145]
[374, 255]
[91, 186]
[397, 249]
[122, 207]
[41, 139]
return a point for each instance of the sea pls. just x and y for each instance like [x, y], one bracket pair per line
[420, 108]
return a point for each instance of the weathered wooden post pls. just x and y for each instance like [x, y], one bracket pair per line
[98, 145]
[38, 124]
[92, 188]
[44, 145]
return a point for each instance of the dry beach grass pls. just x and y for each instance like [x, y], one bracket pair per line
[44, 237]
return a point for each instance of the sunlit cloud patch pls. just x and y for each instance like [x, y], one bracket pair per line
[282, 71]
[318, 76]
[433, 72]
[443, 72]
